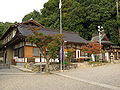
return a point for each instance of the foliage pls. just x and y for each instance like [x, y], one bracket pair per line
[1, 42]
[54, 46]
[81, 16]
[97, 62]
[32, 15]
[49, 45]
[92, 62]
[92, 48]
[4, 27]
[69, 54]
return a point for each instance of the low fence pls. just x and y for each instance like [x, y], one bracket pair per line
[52, 67]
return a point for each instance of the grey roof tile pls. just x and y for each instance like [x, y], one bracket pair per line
[68, 36]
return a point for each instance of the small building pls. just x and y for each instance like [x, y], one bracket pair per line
[16, 49]
[111, 50]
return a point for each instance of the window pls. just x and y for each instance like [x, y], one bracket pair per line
[21, 52]
[16, 52]
[36, 52]
[77, 53]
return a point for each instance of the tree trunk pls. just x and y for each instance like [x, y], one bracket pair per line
[47, 66]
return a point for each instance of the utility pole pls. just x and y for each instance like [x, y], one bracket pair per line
[117, 8]
[61, 48]
[60, 7]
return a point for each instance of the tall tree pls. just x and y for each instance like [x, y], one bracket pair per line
[92, 48]
[36, 15]
[83, 16]
[4, 27]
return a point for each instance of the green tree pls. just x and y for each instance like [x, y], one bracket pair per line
[69, 55]
[54, 46]
[48, 45]
[35, 15]
[83, 16]
[4, 27]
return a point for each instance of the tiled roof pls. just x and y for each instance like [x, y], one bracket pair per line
[68, 36]
[96, 38]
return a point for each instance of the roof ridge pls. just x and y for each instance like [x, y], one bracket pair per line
[64, 31]
[24, 22]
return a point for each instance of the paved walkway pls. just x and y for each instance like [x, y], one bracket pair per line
[43, 82]
[15, 79]
[97, 78]
[107, 76]
[14, 71]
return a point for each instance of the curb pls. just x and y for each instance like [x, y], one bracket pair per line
[23, 69]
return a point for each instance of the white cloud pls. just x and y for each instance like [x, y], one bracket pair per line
[15, 10]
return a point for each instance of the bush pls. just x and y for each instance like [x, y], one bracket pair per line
[91, 62]
[65, 62]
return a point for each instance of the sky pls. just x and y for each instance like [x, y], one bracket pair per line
[15, 10]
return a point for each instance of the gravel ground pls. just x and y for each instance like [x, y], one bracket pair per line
[108, 74]
[43, 82]
[11, 70]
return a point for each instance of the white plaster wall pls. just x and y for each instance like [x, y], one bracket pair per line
[19, 59]
[43, 60]
[52, 60]
[1, 58]
[38, 60]
[25, 59]
[117, 55]
[107, 56]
